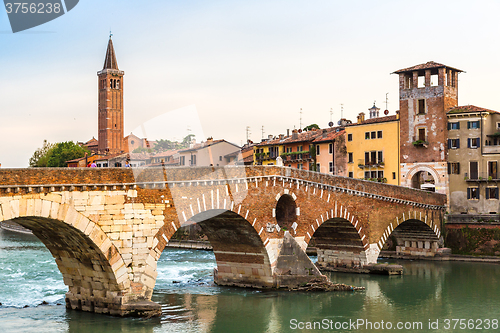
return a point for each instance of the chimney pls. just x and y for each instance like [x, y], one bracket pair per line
[361, 117]
[287, 132]
[270, 137]
[210, 140]
[324, 133]
[282, 136]
[295, 134]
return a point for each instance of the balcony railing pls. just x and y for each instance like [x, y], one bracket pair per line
[371, 164]
[482, 177]
[296, 157]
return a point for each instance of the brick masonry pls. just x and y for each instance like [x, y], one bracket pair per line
[108, 227]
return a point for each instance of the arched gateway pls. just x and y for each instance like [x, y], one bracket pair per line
[107, 227]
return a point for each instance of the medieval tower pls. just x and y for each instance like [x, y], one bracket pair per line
[426, 92]
[110, 120]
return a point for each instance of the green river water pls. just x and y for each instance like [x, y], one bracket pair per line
[429, 297]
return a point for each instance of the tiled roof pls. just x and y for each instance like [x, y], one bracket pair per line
[329, 136]
[469, 108]
[166, 153]
[375, 120]
[427, 65]
[198, 146]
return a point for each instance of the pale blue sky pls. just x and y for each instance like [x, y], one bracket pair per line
[235, 63]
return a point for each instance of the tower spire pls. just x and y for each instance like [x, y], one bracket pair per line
[110, 60]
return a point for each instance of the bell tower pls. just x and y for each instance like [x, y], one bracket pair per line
[110, 121]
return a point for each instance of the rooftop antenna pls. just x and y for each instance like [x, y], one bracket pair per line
[262, 131]
[110, 34]
[341, 110]
[386, 101]
[248, 133]
[331, 115]
[300, 119]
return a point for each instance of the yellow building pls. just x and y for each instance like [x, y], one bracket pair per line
[373, 148]
[266, 152]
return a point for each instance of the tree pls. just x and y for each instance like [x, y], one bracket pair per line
[310, 127]
[56, 155]
[39, 158]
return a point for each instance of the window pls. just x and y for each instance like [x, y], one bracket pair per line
[421, 134]
[193, 160]
[299, 166]
[331, 167]
[473, 170]
[349, 136]
[473, 124]
[367, 135]
[380, 157]
[367, 174]
[453, 126]
[220, 158]
[289, 149]
[351, 174]
[492, 193]
[473, 142]
[373, 174]
[182, 160]
[498, 126]
[379, 134]
[317, 150]
[299, 148]
[454, 168]
[350, 158]
[330, 148]
[492, 169]
[453, 143]
[393, 175]
[421, 106]
[473, 193]
[380, 174]
[373, 135]
[318, 167]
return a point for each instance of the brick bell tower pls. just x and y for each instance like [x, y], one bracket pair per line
[426, 92]
[110, 120]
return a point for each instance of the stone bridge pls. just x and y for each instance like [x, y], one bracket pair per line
[107, 227]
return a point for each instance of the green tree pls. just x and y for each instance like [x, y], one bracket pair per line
[310, 127]
[39, 157]
[57, 154]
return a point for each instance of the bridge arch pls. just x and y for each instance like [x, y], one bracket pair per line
[242, 259]
[91, 265]
[416, 237]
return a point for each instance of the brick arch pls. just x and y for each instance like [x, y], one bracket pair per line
[411, 216]
[90, 263]
[418, 168]
[242, 259]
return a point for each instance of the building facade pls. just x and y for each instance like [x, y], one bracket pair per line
[426, 92]
[209, 153]
[373, 148]
[331, 152]
[473, 157]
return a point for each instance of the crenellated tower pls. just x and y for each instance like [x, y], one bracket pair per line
[110, 120]
[426, 92]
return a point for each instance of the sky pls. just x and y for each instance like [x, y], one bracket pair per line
[212, 68]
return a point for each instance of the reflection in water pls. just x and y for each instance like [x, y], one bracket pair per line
[192, 303]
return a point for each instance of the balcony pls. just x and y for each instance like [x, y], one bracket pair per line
[296, 157]
[481, 177]
[364, 164]
[491, 149]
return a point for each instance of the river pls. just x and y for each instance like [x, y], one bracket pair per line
[427, 298]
